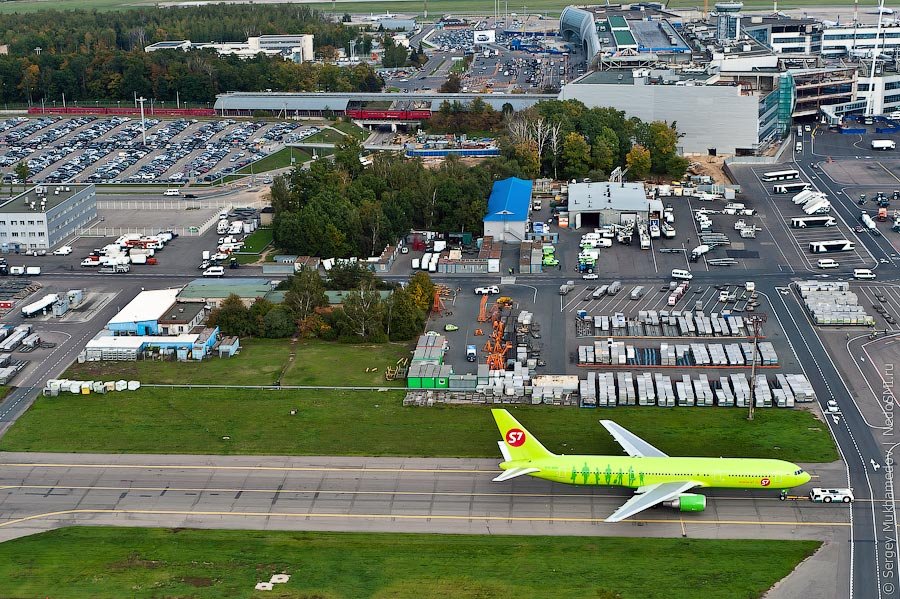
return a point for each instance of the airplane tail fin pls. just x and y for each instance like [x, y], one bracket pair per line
[517, 443]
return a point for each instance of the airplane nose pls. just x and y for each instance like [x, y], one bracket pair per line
[805, 478]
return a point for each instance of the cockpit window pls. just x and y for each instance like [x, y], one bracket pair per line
[798, 471]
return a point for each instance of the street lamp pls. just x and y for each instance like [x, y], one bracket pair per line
[755, 322]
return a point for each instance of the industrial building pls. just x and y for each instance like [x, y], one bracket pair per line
[196, 345]
[723, 118]
[142, 315]
[507, 213]
[45, 215]
[214, 291]
[610, 203]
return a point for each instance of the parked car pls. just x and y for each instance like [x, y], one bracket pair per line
[591, 276]
[487, 290]
[63, 251]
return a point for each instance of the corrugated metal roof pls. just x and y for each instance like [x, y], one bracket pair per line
[215, 288]
[510, 200]
[279, 102]
[494, 101]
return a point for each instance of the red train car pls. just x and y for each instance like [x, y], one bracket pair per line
[390, 115]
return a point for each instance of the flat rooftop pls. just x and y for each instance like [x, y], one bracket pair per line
[53, 195]
[182, 313]
[148, 306]
[244, 287]
[603, 195]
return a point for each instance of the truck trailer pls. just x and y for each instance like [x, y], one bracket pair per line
[884, 144]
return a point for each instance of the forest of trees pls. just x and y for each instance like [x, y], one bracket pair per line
[363, 316]
[92, 55]
[344, 209]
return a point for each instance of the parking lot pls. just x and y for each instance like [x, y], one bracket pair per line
[112, 149]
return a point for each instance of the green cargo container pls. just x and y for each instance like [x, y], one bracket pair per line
[442, 382]
[413, 382]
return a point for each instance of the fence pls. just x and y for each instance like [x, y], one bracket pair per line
[145, 205]
[117, 231]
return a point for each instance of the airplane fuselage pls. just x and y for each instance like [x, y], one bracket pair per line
[634, 472]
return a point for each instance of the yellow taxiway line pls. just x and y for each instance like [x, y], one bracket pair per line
[260, 468]
[469, 518]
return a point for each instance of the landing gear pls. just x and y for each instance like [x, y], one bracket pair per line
[783, 495]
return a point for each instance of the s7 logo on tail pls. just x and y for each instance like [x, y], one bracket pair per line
[515, 437]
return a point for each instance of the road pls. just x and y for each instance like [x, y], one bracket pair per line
[42, 491]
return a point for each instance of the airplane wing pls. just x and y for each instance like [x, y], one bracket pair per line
[631, 443]
[651, 496]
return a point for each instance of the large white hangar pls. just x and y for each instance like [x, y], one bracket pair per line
[610, 203]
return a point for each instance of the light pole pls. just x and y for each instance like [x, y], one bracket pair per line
[142, 99]
[755, 322]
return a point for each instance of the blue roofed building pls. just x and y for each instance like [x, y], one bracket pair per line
[507, 214]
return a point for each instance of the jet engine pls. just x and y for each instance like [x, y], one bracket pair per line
[688, 502]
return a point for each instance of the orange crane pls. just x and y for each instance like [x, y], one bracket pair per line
[438, 306]
[496, 347]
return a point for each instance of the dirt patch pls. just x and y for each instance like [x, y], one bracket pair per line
[135, 561]
[710, 166]
[197, 581]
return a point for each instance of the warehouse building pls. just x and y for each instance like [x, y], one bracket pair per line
[142, 315]
[507, 214]
[106, 346]
[604, 203]
[214, 291]
[45, 215]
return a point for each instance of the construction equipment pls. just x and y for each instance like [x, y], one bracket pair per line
[438, 306]
[482, 312]
[504, 301]
[478, 332]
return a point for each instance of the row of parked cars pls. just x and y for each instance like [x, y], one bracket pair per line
[117, 146]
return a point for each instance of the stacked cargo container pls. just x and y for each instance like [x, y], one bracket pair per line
[832, 303]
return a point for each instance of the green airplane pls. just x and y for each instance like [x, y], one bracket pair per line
[656, 477]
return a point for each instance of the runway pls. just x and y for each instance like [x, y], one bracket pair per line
[43, 491]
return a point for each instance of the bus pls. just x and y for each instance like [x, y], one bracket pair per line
[791, 187]
[781, 175]
[803, 222]
[835, 245]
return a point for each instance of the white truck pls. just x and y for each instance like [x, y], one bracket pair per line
[222, 227]
[820, 206]
[868, 221]
[699, 251]
[884, 144]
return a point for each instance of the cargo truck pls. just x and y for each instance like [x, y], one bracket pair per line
[884, 144]
[567, 287]
[698, 251]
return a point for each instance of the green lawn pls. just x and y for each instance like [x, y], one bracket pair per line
[351, 129]
[375, 423]
[280, 159]
[100, 562]
[259, 362]
[551, 8]
[258, 241]
[325, 136]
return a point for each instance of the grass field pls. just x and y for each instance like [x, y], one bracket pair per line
[351, 129]
[259, 363]
[102, 562]
[280, 159]
[414, 7]
[332, 422]
[254, 245]
[325, 136]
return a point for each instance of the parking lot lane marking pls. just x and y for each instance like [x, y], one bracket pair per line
[447, 517]
[885, 169]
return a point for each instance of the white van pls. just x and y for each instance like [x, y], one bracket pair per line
[827, 263]
[171, 192]
[214, 271]
[863, 273]
[681, 275]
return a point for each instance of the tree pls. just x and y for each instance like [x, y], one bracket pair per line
[576, 156]
[258, 311]
[638, 162]
[421, 289]
[350, 275]
[279, 322]
[306, 292]
[529, 160]
[232, 317]
[363, 310]
[452, 85]
[22, 173]
[405, 320]
[346, 155]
